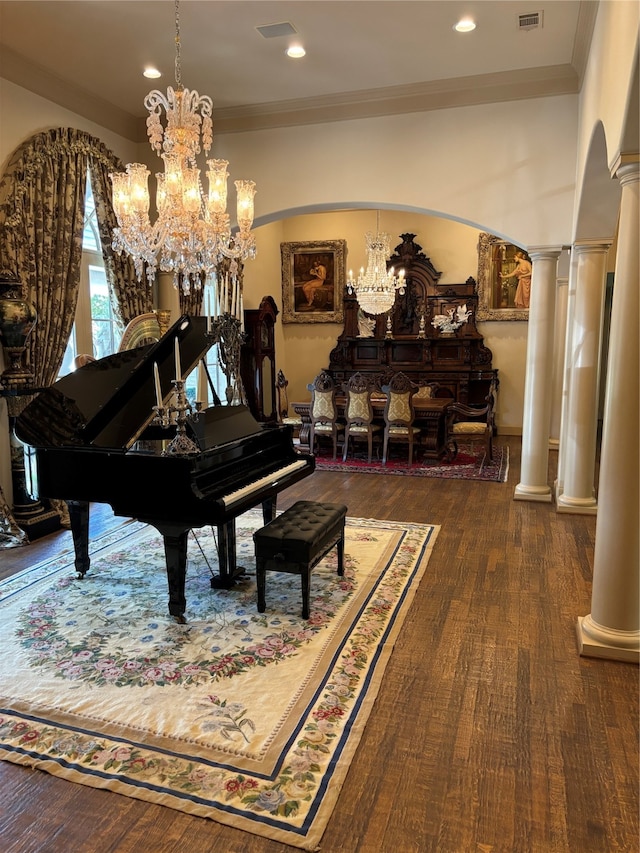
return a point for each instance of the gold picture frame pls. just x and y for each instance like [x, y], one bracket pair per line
[496, 289]
[313, 280]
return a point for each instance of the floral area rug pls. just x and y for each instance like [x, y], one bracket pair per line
[249, 719]
[469, 464]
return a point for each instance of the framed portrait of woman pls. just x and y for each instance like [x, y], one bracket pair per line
[313, 279]
[504, 280]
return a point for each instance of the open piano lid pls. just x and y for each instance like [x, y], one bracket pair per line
[109, 402]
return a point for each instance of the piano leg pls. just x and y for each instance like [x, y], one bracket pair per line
[175, 552]
[269, 509]
[79, 518]
[228, 568]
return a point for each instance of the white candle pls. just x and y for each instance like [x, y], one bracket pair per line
[177, 354]
[241, 312]
[202, 393]
[208, 311]
[234, 296]
[156, 378]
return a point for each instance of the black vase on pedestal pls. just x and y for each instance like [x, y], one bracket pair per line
[17, 320]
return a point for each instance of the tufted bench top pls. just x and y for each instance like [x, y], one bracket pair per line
[301, 531]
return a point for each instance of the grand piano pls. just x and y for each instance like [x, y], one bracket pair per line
[95, 441]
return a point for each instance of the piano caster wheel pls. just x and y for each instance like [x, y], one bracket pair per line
[180, 619]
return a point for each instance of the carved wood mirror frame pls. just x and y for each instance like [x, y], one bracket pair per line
[489, 283]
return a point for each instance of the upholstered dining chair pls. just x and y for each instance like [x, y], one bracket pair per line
[323, 411]
[399, 414]
[470, 425]
[359, 413]
[284, 417]
[426, 391]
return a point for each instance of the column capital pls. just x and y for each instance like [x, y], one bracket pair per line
[625, 164]
[596, 247]
[541, 252]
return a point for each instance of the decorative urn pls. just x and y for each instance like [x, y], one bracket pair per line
[17, 320]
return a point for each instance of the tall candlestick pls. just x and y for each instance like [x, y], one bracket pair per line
[177, 354]
[156, 378]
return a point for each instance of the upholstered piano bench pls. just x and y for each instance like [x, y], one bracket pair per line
[296, 541]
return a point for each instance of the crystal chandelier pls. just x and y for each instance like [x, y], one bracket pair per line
[192, 233]
[376, 288]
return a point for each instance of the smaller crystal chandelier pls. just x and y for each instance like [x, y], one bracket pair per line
[192, 233]
[376, 288]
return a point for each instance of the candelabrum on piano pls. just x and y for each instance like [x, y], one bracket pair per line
[177, 412]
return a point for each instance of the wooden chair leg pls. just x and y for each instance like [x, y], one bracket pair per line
[346, 445]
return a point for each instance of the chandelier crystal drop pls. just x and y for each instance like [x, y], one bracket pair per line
[376, 288]
[192, 233]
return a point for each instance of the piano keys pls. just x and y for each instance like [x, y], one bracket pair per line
[95, 441]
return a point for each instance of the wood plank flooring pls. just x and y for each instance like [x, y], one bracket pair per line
[489, 735]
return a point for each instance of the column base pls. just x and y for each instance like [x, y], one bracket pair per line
[542, 494]
[597, 641]
[577, 506]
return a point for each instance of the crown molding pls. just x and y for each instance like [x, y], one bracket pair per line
[346, 106]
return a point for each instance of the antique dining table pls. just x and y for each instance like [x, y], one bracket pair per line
[429, 416]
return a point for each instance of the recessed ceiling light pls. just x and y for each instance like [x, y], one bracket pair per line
[152, 73]
[296, 51]
[465, 25]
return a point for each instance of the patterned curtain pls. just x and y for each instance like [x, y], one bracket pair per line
[41, 223]
[130, 296]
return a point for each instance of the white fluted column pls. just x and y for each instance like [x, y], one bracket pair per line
[533, 485]
[578, 493]
[612, 629]
[566, 385]
[557, 381]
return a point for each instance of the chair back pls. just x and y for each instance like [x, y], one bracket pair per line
[358, 408]
[323, 399]
[426, 391]
[471, 424]
[398, 409]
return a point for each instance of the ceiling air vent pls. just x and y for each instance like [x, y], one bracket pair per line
[272, 31]
[532, 21]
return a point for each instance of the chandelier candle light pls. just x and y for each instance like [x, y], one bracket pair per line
[192, 233]
[376, 288]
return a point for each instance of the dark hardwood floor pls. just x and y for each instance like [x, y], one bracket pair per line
[490, 733]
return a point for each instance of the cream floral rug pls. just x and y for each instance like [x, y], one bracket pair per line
[249, 719]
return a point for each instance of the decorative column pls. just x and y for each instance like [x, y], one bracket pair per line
[612, 629]
[562, 299]
[533, 485]
[578, 494]
[566, 384]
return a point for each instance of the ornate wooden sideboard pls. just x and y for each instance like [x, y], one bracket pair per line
[459, 363]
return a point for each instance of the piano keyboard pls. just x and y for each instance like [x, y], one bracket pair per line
[269, 480]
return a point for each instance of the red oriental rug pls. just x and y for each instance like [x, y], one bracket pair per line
[469, 464]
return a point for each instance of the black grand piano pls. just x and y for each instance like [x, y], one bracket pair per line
[95, 441]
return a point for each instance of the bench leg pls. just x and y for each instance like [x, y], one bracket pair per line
[341, 555]
[305, 575]
[261, 577]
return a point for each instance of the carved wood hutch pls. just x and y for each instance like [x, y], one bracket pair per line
[459, 362]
